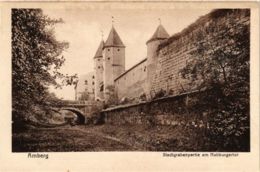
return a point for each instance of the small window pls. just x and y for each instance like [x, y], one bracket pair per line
[118, 49]
[99, 67]
[98, 59]
[93, 77]
[108, 49]
[144, 68]
[108, 58]
[86, 82]
[93, 83]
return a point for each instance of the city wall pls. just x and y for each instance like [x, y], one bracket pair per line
[171, 111]
[132, 83]
[173, 54]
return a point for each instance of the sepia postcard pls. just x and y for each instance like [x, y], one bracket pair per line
[129, 86]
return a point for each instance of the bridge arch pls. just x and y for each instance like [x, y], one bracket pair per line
[79, 113]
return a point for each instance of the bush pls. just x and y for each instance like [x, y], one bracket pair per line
[160, 94]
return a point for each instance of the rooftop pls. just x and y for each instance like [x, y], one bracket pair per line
[113, 39]
[160, 33]
[99, 50]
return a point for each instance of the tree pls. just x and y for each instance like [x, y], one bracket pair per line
[219, 67]
[36, 60]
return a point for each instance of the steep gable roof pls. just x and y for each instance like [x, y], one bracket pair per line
[99, 50]
[113, 39]
[160, 33]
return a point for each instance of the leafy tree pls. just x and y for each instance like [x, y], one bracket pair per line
[36, 60]
[219, 67]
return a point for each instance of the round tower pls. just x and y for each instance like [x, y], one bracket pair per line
[152, 46]
[98, 60]
[113, 61]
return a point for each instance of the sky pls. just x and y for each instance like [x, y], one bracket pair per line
[83, 30]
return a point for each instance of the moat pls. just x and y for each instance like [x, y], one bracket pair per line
[100, 138]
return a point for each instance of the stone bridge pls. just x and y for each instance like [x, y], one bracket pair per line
[80, 108]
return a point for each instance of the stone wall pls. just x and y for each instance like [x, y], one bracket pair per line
[132, 83]
[174, 53]
[172, 111]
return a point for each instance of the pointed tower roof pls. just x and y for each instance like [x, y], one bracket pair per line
[99, 50]
[160, 33]
[113, 39]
